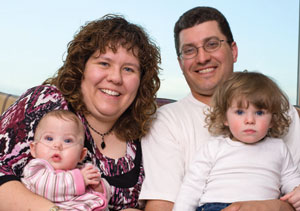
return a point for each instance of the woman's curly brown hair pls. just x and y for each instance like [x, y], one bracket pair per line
[253, 88]
[113, 31]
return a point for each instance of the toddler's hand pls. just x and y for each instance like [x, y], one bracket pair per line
[293, 198]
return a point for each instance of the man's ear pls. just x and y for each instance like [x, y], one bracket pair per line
[234, 50]
[83, 153]
[32, 149]
[180, 63]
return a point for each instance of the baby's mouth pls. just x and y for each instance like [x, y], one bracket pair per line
[56, 158]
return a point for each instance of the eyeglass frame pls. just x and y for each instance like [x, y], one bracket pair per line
[206, 41]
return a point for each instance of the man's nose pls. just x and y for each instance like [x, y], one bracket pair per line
[203, 56]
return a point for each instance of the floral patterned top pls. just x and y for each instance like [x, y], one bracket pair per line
[17, 126]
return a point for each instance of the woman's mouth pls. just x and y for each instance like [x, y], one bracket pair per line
[110, 92]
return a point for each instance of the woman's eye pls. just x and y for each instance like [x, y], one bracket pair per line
[105, 64]
[128, 69]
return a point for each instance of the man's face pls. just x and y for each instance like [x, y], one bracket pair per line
[205, 71]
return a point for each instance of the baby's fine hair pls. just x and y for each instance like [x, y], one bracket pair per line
[250, 88]
[67, 116]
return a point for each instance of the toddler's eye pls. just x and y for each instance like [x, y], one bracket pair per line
[239, 112]
[260, 113]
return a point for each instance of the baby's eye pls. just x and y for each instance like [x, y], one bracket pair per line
[68, 141]
[48, 138]
[239, 112]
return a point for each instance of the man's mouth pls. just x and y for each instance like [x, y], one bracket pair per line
[206, 70]
[110, 92]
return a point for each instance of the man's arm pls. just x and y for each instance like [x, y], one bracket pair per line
[267, 205]
[292, 137]
[15, 196]
[159, 205]
[163, 159]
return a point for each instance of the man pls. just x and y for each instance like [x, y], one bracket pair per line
[206, 54]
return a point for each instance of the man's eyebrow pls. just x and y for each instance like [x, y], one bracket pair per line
[203, 41]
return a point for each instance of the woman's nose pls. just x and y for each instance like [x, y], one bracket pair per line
[115, 75]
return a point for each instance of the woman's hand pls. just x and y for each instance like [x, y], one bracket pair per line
[131, 209]
[267, 205]
[23, 198]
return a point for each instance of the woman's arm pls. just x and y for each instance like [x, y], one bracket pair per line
[15, 196]
[267, 205]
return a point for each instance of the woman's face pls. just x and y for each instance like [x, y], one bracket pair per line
[110, 83]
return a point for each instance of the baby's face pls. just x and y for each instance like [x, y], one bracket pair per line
[59, 142]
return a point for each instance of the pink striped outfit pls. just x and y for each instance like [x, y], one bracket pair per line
[65, 188]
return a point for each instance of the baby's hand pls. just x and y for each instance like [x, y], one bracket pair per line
[293, 198]
[98, 188]
[91, 175]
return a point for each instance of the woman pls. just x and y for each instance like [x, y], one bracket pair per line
[109, 79]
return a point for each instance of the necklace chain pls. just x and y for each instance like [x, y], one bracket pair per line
[101, 134]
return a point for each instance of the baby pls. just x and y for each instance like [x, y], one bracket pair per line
[58, 147]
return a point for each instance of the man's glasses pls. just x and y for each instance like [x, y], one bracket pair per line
[191, 51]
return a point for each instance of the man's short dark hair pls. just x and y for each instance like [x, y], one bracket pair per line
[200, 15]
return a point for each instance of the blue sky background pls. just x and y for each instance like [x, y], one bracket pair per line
[35, 33]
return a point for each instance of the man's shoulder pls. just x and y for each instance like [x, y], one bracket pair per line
[187, 104]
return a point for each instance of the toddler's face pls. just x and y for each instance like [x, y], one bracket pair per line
[59, 142]
[248, 125]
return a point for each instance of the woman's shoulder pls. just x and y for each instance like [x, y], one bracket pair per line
[43, 94]
[42, 98]
[46, 90]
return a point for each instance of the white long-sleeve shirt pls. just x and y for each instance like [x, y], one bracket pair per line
[178, 130]
[227, 171]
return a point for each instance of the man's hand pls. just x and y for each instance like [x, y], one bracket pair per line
[159, 205]
[267, 205]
